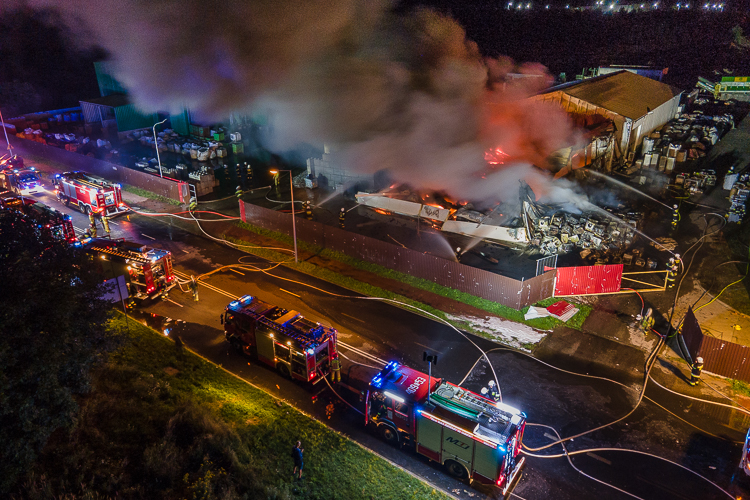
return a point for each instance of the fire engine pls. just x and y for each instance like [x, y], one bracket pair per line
[285, 340]
[22, 182]
[147, 270]
[59, 225]
[474, 437]
[89, 193]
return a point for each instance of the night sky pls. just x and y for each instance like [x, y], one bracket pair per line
[40, 69]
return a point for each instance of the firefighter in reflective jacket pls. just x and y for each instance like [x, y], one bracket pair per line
[671, 273]
[491, 391]
[342, 216]
[648, 320]
[105, 222]
[675, 215]
[308, 209]
[92, 225]
[695, 372]
[336, 370]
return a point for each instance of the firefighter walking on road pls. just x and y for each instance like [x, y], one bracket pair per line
[194, 287]
[695, 371]
[342, 216]
[675, 216]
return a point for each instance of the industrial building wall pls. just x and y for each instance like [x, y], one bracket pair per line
[129, 118]
[574, 105]
[652, 121]
[502, 289]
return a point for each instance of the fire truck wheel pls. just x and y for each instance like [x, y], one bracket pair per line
[284, 370]
[456, 470]
[388, 434]
[84, 209]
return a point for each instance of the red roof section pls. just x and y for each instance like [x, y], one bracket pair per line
[408, 383]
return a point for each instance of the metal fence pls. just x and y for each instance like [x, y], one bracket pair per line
[166, 187]
[507, 291]
[719, 356]
[588, 280]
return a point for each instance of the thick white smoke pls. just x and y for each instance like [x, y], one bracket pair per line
[406, 93]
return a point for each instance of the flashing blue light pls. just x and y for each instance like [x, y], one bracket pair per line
[246, 298]
[419, 412]
[310, 352]
[391, 364]
[234, 303]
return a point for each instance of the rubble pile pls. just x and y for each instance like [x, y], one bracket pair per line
[738, 196]
[696, 182]
[687, 137]
[598, 237]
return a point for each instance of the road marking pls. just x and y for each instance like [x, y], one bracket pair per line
[550, 436]
[430, 348]
[352, 317]
[79, 229]
[236, 271]
[344, 345]
[362, 353]
[175, 303]
[287, 291]
[597, 457]
[147, 236]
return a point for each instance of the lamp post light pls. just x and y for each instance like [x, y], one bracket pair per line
[156, 145]
[276, 171]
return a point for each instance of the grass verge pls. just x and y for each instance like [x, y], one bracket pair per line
[149, 195]
[486, 305]
[164, 423]
[741, 387]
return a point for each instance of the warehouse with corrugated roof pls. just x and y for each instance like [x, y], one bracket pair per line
[637, 105]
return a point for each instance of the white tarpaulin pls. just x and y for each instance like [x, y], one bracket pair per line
[517, 235]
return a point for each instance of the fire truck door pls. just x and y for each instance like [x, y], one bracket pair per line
[400, 414]
[100, 202]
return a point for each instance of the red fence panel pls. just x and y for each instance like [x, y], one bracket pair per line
[588, 280]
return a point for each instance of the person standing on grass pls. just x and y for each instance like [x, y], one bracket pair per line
[297, 456]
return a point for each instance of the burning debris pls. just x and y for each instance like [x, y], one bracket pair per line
[559, 232]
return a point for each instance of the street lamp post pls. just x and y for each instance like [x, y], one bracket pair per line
[156, 145]
[10, 148]
[294, 226]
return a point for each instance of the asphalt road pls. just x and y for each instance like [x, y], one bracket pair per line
[695, 435]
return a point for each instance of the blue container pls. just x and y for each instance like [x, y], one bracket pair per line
[66, 117]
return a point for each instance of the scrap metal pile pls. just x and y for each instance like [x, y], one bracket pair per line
[597, 236]
[738, 196]
[696, 182]
[687, 137]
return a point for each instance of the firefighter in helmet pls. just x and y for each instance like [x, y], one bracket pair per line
[695, 371]
[342, 216]
[671, 273]
[92, 225]
[491, 391]
[105, 222]
[675, 216]
[336, 370]
[308, 210]
[648, 320]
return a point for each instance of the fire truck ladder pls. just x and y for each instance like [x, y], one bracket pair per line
[129, 255]
[288, 331]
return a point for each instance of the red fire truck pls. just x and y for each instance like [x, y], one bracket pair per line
[89, 193]
[148, 270]
[285, 340]
[59, 225]
[474, 437]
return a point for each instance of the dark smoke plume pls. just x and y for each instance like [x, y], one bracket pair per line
[407, 93]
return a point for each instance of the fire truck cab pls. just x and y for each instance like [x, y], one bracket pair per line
[147, 270]
[48, 220]
[285, 340]
[89, 193]
[475, 438]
